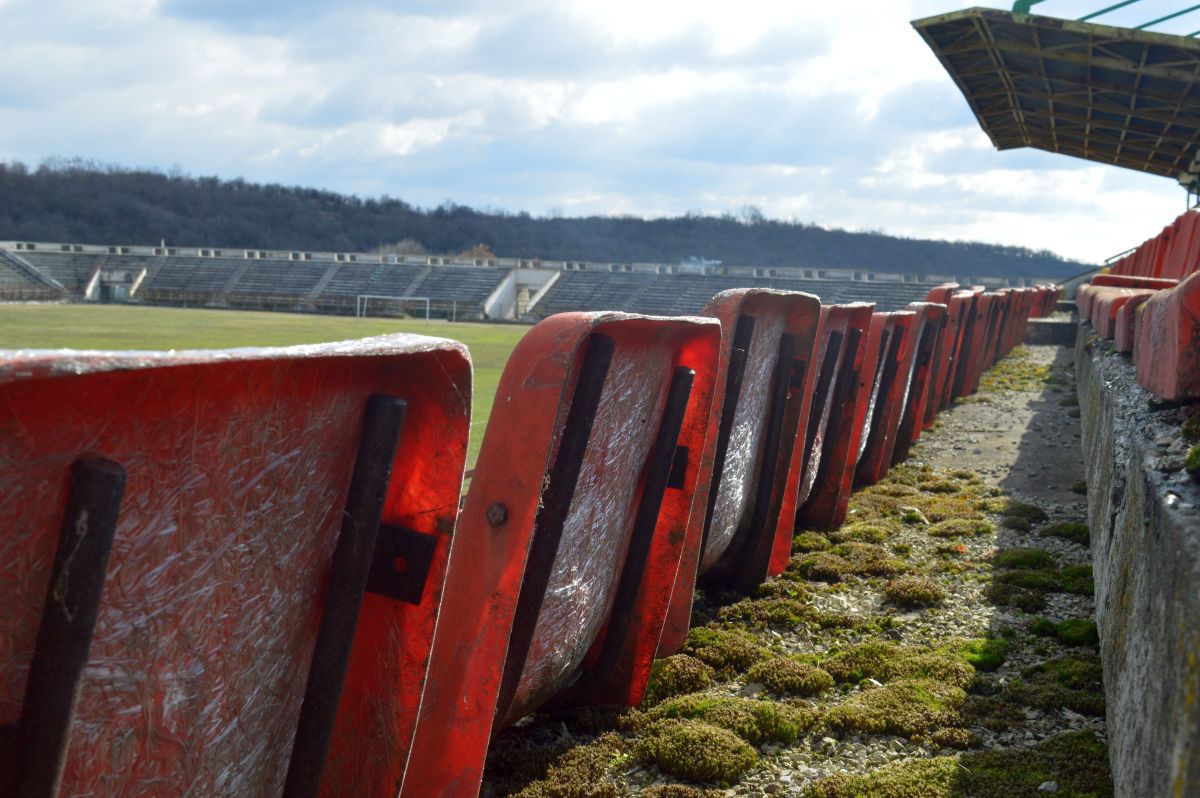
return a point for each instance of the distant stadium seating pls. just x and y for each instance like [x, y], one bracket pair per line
[341, 283]
[681, 294]
[19, 282]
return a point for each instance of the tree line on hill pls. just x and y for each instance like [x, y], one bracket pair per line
[85, 202]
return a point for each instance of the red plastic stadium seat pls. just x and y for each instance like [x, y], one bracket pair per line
[933, 320]
[768, 357]
[1123, 337]
[1164, 346]
[1105, 304]
[589, 488]
[211, 523]
[833, 452]
[897, 360]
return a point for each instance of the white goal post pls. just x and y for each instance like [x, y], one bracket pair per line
[362, 301]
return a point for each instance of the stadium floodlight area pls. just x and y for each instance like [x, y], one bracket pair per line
[1121, 96]
[386, 305]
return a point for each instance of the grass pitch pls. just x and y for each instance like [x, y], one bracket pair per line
[136, 327]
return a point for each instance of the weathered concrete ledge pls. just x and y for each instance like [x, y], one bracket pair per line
[1144, 514]
[1050, 331]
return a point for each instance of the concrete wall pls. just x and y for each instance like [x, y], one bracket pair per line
[1145, 523]
[502, 303]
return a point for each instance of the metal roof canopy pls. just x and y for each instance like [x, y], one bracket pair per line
[1112, 95]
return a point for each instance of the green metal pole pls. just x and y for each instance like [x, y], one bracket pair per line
[1168, 16]
[1113, 7]
[1023, 6]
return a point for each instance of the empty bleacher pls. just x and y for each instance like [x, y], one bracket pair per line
[282, 281]
[189, 281]
[73, 270]
[276, 283]
[21, 283]
[672, 295]
[463, 284]
[352, 280]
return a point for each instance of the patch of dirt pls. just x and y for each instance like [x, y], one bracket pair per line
[1026, 442]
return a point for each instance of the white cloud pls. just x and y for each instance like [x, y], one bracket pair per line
[831, 113]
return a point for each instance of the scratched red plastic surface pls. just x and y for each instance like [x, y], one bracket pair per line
[1165, 350]
[933, 317]
[238, 464]
[829, 496]
[520, 445]
[882, 423]
[774, 313]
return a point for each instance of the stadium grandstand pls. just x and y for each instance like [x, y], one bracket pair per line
[486, 289]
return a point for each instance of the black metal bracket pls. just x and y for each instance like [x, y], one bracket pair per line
[679, 465]
[400, 566]
[657, 472]
[38, 750]
[352, 559]
[557, 492]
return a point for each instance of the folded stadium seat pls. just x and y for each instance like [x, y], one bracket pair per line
[998, 323]
[1106, 302]
[1006, 300]
[941, 293]
[590, 486]
[962, 321]
[1022, 305]
[1185, 254]
[975, 344]
[1126, 323]
[221, 569]
[766, 366]
[897, 361]
[834, 453]
[1086, 295]
[928, 343]
[1166, 328]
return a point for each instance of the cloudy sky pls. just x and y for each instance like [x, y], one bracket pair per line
[830, 112]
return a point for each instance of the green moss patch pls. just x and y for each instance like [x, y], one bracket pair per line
[1025, 558]
[961, 528]
[885, 661]
[1068, 530]
[754, 721]
[728, 652]
[807, 542]
[1077, 762]
[867, 559]
[1016, 514]
[1008, 595]
[914, 591]
[781, 613]
[696, 751]
[1192, 462]
[1191, 429]
[790, 676]
[676, 675]
[1071, 682]
[982, 654]
[906, 706]
[1024, 587]
[581, 772]
[922, 778]
[1071, 632]
[862, 532]
[821, 567]
[677, 791]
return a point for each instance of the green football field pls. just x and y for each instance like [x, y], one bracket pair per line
[134, 327]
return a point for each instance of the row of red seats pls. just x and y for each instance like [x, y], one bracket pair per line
[1148, 304]
[248, 572]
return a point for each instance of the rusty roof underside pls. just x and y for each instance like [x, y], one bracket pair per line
[1111, 95]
